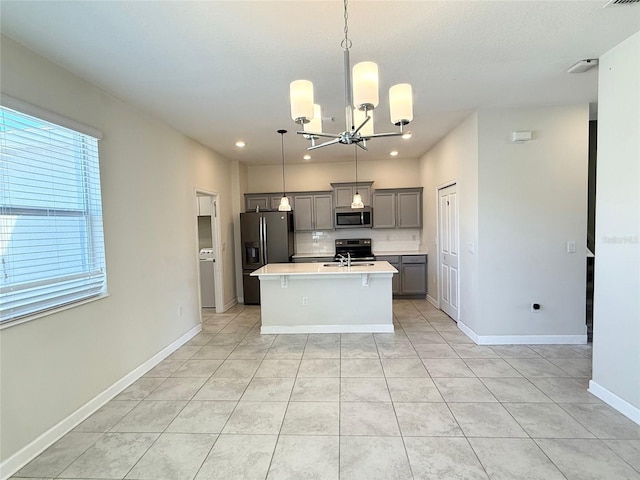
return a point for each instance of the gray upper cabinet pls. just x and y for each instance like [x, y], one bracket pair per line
[384, 210]
[275, 202]
[409, 209]
[265, 201]
[343, 193]
[313, 212]
[256, 201]
[397, 208]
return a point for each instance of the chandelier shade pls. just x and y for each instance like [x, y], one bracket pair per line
[401, 104]
[365, 86]
[301, 95]
[315, 123]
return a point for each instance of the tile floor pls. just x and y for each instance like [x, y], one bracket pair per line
[422, 403]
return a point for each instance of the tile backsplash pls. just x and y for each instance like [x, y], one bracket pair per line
[323, 243]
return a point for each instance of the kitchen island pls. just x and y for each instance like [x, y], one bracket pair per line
[326, 298]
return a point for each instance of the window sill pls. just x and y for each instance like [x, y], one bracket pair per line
[53, 311]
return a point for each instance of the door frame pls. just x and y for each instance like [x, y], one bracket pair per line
[438, 236]
[215, 235]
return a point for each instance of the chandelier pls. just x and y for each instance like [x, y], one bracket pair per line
[361, 98]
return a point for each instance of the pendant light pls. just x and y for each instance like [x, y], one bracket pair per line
[357, 198]
[284, 206]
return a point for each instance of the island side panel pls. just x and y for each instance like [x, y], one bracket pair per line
[335, 303]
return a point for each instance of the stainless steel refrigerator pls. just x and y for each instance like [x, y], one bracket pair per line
[266, 237]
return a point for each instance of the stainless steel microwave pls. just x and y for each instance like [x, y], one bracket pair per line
[353, 218]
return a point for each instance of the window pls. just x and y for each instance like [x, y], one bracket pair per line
[51, 238]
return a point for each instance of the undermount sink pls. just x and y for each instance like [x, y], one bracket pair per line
[353, 264]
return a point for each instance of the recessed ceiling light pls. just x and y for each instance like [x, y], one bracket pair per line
[307, 157]
[240, 144]
[393, 153]
[407, 135]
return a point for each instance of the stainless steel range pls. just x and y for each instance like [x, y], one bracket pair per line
[358, 248]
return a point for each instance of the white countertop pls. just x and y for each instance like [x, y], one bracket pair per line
[273, 269]
[398, 252]
[381, 254]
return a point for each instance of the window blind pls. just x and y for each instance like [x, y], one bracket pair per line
[51, 235]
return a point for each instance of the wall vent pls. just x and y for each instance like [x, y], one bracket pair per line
[615, 3]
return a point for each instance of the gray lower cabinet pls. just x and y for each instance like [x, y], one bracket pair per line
[397, 208]
[411, 279]
[313, 212]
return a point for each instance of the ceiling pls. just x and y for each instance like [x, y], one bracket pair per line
[219, 71]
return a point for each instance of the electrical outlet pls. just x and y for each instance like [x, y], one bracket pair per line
[305, 301]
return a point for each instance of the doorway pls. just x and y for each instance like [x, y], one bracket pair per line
[210, 286]
[448, 248]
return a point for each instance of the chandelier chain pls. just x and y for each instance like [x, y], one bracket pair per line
[346, 43]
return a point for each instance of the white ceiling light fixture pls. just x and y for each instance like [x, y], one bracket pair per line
[357, 198]
[361, 93]
[306, 157]
[393, 153]
[240, 144]
[284, 206]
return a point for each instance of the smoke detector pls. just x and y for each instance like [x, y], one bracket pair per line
[584, 65]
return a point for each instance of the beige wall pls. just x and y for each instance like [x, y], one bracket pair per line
[454, 159]
[519, 204]
[616, 309]
[532, 200]
[310, 176]
[53, 365]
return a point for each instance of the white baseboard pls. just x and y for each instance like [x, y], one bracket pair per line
[273, 330]
[624, 407]
[522, 339]
[23, 456]
[433, 301]
[228, 305]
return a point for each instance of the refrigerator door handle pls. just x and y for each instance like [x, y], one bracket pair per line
[261, 239]
[265, 241]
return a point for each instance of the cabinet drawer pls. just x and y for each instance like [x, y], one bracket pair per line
[414, 259]
[390, 258]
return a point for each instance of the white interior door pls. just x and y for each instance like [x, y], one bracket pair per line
[448, 257]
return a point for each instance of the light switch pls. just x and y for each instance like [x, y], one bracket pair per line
[471, 248]
[571, 246]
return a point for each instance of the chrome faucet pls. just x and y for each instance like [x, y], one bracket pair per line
[342, 258]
